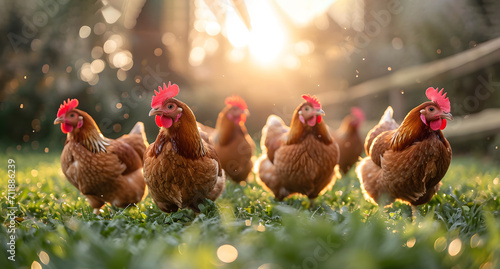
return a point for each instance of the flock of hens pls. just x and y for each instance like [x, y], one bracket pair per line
[189, 162]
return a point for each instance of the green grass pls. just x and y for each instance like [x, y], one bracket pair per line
[459, 228]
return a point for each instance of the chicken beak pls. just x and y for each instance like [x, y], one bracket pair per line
[447, 116]
[58, 120]
[246, 112]
[154, 111]
[320, 112]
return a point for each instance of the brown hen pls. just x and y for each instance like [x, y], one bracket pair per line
[103, 169]
[407, 162]
[301, 158]
[233, 144]
[181, 168]
[349, 139]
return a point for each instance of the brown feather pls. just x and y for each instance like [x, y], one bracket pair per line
[406, 163]
[180, 168]
[303, 157]
[103, 169]
[350, 144]
[233, 146]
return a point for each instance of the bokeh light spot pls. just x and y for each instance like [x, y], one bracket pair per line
[97, 66]
[99, 28]
[158, 52]
[455, 247]
[45, 68]
[397, 43]
[44, 257]
[96, 52]
[84, 31]
[475, 241]
[212, 28]
[121, 75]
[440, 244]
[411, 242]
[110, 46]
[227, 253]
[196, 56]
[36, 265]
[117, 127]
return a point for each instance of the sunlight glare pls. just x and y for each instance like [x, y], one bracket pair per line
[267, 39]
[237, 33]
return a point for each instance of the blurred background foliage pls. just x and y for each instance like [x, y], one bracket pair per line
[112, 54]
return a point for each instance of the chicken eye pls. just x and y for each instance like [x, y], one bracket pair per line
[306, 108]
[170, 106]
[431, 109]
[71, 115]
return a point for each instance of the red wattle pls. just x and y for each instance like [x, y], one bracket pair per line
[66, 128]
[312, 121]
[436, 125]
[166, 121]
[443, 125]
[158, 120]
[243, 118]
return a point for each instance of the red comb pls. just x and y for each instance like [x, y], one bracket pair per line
[66, 106]
[236, 101]
[163, 94]
[312, 99]
[439, 98]
[358, 113]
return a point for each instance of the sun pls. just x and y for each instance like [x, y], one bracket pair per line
[267, 39]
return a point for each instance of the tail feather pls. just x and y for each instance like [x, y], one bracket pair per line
[136, 138]
[220, 185]
[208, 130]
[273, 130]
[138, 128]
[369, 174]
[386, 123]
[387, 117]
